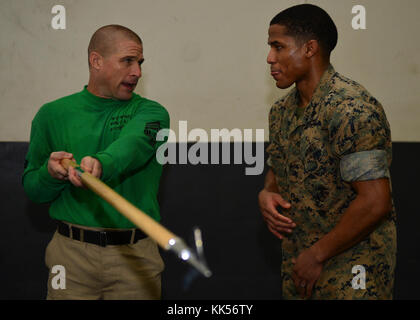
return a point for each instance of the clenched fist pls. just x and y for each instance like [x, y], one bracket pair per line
[55, 169]
[88, 164]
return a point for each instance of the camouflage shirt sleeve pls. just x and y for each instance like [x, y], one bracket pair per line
[273, 124]
[360, 137]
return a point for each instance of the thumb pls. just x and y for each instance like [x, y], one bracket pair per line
[279, 199]
[87, 164]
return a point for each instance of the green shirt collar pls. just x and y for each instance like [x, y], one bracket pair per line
[101, 103]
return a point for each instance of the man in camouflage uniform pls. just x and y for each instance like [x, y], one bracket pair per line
[327, 193]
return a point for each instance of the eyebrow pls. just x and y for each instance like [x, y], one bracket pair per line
[275, 42]
[132, 57]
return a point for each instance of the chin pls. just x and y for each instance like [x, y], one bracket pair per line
[284, 85]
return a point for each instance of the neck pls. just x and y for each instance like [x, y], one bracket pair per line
[95, 89]
[306, 86]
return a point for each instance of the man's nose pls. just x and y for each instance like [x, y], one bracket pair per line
[271, 57]
[136, 70]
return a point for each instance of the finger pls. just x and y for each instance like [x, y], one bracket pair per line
[60, 155]
[59, 169]
[59, 176]
[71, 174]
[86, 169]
[273, 209]
[308, 292]
[56, 170]
[74, 178]
[77, 180]
[280, 201]
[273, 213]
[303, 286]
[299, 288]
[86, 166]
[270, 204]
[273, 231]
[278, 219]
[285, 230]
[297, 282]
[97, 169]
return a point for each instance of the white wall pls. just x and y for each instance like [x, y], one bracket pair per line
[205, 59]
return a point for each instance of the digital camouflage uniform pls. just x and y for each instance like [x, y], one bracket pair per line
[342, 136]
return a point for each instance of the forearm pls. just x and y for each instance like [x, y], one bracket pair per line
[357, 222]
[135, 146]
[123, 156]
[40, 187]
[37, 182]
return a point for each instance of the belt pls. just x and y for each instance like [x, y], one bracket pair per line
[101, 238]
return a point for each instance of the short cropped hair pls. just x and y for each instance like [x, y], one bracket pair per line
[306, 22]
[103, 40]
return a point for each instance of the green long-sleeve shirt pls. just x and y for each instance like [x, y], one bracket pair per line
[120, 134]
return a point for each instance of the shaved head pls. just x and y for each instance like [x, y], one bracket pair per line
[115, 59]
[105, 39]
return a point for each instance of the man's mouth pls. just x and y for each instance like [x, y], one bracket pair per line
[130, 85]
[275, 72]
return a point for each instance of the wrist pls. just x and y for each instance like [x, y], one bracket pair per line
[46, 178]
[319, 252]
[107, 165]
[264, 193]
[270, 188]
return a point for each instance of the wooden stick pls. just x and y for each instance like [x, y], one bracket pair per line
[149, 226]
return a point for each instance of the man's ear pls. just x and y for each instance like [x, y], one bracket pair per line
[95, 60]
[311, 48]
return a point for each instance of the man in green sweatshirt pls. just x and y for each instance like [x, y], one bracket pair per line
[111, 132]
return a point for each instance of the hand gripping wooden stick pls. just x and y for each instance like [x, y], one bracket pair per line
[166, 239]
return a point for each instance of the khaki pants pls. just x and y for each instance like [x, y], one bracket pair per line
[79, 270]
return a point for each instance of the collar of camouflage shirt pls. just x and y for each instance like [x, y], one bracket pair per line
[291, 103]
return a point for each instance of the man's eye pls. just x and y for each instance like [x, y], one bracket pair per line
[278, 48]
